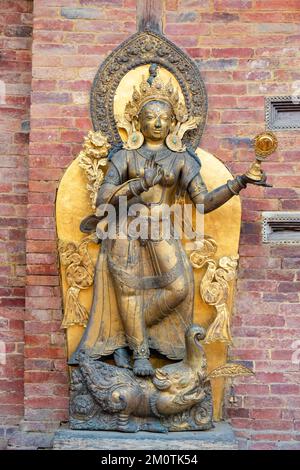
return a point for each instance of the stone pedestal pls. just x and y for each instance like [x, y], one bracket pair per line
[221, 437]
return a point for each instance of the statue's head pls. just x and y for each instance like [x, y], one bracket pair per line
[154, 112]
[156, 120]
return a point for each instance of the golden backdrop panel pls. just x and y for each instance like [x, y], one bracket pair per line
[223, 225]
[72, 205]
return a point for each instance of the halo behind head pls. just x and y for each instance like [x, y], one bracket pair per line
[122, 69]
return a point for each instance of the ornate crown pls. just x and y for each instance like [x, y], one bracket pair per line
[155, 89]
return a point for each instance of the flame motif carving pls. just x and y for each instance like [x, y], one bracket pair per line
[230, 370]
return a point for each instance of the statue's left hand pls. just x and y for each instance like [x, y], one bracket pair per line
[153, 174]
[261, 182]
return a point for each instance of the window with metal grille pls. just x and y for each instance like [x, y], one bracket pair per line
[281, 227]
[283, 112]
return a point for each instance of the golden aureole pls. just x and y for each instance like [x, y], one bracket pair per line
[148, 316]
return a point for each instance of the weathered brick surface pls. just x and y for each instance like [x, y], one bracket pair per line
[15, 80]
[246, 50]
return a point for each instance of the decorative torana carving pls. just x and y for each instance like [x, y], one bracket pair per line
[79, 275]
[214, 287]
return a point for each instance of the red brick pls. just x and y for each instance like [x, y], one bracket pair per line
[43, 280]
[289, 286]
[42, 246]
[45, 352]
[45, 198]
[38, 302]
[42, 186]
[47, 402]
[272, 425]
[76, 85]
[53, 25]
[40, 291]
[41, 234]
[49, 174]
[188, 29]
[45, 389]
[42, 269]
[83, 124]
[232, 52]
[289, 308]
[265, 285]
[227, 89]
[266, 413]
[46, 148]
[38, 327]
[277, 5]
[12, 409]
[33, 376]
[264, 320]
[252, 389]
[72, 136]
[238, 412]
[40, 210]
[263, 446]
[15, 68]
[197, 52]
[43, 123]
[232, 4]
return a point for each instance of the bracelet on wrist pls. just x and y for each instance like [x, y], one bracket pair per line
[143, 184]
[134, 188]
[236, 185]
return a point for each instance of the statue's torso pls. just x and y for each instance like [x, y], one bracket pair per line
[170, 162]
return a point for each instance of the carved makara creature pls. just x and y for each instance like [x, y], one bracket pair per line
[173, 390]
[182, 384]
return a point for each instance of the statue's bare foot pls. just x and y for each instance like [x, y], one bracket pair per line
[143, 367]
[155, 427]
[122, 358]
[129, 427]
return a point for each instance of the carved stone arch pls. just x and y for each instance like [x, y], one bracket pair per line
[140, 49]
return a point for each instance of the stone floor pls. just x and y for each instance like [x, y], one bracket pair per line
[221, 437]
[3, 444]
[29, 440]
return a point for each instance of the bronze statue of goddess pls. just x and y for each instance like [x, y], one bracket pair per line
[144, 287]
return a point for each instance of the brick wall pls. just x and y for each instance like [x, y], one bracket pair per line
[70, 40]
[15, 77]
[246, 50]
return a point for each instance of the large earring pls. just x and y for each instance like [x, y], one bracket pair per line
[135, 139]
[173, 140]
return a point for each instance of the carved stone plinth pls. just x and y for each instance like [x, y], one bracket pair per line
[221, 437]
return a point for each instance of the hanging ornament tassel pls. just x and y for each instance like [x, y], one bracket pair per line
[232, 396]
